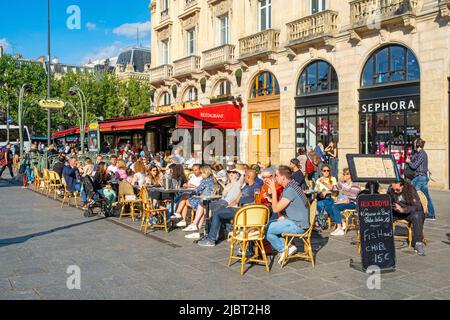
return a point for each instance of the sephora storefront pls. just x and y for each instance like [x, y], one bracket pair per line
[389, 103]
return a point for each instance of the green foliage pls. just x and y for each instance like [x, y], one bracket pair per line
[106, 96]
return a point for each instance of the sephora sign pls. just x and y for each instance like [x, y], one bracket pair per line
[390, 105]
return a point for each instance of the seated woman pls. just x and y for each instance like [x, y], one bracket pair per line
[230, 198]
[88, 168]
[101, 184]
[206, 188]
[121, 173]
[139, 174]
[323, 188]
[348, 192]
[154, 179]
[297, 174]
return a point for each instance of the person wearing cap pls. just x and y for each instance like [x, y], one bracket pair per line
[230, 197]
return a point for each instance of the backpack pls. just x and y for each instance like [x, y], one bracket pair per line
[310, 168]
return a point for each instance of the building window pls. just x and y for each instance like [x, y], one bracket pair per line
[191, 94]
[317, 77]
[164, 8]
[390, 64]
[265, 14]
[314, 124]
[223, 88]
[165, 99]
[318, 6]
[165, 52]
[265, 84]
[190, 36]
[223, 31]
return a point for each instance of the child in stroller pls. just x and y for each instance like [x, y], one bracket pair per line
[97, 203]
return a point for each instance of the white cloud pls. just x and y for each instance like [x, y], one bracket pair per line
[103, 53]
[129, 30]
[91, 26]
[5, 44]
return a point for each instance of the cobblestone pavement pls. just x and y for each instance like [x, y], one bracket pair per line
[39, 240]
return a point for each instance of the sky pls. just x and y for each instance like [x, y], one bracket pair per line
[99, 31]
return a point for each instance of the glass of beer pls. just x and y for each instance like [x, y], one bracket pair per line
[257, 197]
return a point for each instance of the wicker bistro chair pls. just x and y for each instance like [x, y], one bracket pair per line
[148, 211]
[55, 183]
[128, 198]
[46, 180]
[307, 253]
[68, 194]
[408, 238]
[249, 225]
[37, 180]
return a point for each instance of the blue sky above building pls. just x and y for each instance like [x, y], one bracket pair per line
[104, 28]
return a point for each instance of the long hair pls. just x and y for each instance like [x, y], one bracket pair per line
[408, 193]
[178, 171]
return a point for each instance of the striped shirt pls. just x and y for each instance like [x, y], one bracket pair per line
[419, 163]
[348, 191]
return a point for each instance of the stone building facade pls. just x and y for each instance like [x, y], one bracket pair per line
[372, 75]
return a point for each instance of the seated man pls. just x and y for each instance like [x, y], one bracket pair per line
[266, 192]
[407, 206]
[295, 205]
[223, 215]
[73, 179]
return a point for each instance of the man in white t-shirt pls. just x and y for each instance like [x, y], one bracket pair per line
[196, 179]
[113, 166]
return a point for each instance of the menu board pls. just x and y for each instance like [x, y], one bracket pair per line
[376, 231]
[380, 168]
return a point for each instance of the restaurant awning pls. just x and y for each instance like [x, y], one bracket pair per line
[222, 116]
[66, 132]
[131, 124]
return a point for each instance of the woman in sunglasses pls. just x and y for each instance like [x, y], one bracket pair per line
[323, 188]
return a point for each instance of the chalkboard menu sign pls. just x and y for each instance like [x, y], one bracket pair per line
[376, 232]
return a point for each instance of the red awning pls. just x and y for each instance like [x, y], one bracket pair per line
[64, 133]
[132, 124]
[222, 116]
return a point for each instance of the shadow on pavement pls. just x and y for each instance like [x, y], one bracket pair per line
[447, 242]
[22, 239]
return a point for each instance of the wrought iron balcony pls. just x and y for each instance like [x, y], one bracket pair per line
[161, 73]
[261, 43]
[186, 66]
[316, 26]
[218, 56]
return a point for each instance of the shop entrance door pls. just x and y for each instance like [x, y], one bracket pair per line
[264, 143]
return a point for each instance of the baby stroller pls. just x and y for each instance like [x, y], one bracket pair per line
[97, 204]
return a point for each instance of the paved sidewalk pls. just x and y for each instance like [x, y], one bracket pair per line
[39, 240]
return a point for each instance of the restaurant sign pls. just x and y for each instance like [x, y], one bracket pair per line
[390, 105]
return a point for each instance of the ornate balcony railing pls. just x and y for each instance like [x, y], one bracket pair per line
[259, 43]
[189, 4]
[161, 73]
[218, 56]
[314, 26]
[371, 12]
[186, 65]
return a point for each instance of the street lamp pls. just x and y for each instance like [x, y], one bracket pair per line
[75, 90]
[25, 88]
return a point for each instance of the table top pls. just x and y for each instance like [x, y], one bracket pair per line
[208, 198]
[160, 189]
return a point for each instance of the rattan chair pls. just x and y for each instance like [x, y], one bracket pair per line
[408, 225]
[249, 225]
[128, 198]
[68, 194]
[148, 211]
[289, 238]
[37, 180]
[46, 180]
[55, 183]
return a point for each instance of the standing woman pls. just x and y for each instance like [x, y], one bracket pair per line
[419, 163]
[331, 153]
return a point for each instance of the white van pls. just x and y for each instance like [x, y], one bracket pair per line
[14, 135]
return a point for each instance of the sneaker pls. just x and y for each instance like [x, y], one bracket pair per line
[418, 248]
[281, 258]
[292, 250]
[177, 215]
[181, 224]
[431, 219]
[206, 243]
[193, 236]
[191, 228]
[338, 232]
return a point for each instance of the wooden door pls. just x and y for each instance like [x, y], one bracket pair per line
[264, 147]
